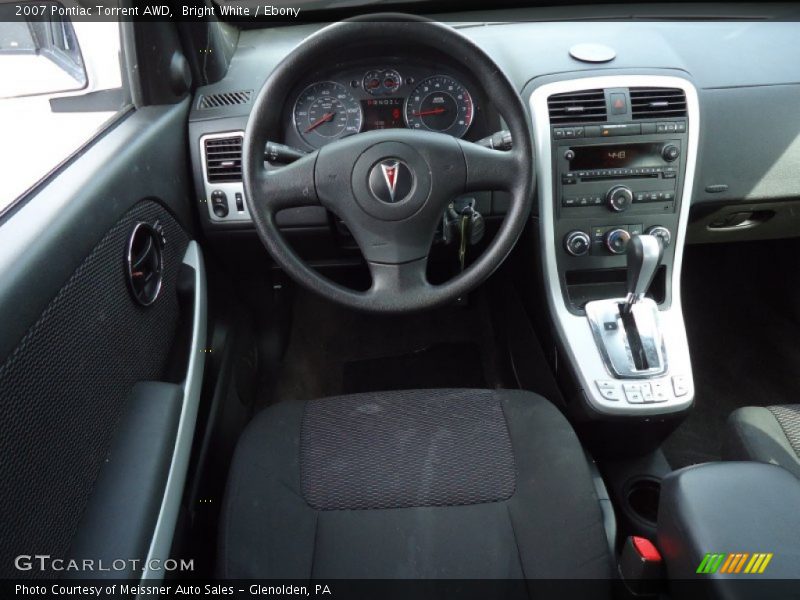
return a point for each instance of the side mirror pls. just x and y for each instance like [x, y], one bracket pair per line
[40, 50]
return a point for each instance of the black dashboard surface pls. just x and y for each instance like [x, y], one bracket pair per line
[746, 72]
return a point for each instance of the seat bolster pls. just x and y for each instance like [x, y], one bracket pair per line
[554, 477]
[754, 433]
[267, 530]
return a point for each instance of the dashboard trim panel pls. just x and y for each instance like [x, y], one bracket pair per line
[229, 188]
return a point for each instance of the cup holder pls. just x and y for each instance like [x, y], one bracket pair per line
[642, 498]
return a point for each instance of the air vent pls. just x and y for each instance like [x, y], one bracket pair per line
[224, 99]
[223, 159]
[655, 103]
[577, 107]
[144, 262]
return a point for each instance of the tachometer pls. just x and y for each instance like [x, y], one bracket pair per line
[326, 111]
[440, 103]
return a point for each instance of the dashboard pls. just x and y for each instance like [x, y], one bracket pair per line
[746, 82]
[686, 127]
[387, 94]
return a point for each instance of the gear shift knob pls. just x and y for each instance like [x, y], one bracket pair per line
[644, 255]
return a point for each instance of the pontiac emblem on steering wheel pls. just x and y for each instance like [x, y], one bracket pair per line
[391, 181]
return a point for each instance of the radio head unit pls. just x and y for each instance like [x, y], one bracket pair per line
[590, 174]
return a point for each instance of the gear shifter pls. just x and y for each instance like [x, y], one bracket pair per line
[644, 255]
[627, 330]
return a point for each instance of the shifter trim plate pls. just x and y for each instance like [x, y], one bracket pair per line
[613, 342]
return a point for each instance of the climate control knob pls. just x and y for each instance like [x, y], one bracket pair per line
[662, 233]
[577, 243]
[619, 198]
[617, 240]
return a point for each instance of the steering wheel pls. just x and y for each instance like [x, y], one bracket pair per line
[390, 187]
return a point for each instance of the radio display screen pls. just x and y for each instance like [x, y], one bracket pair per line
[383, 113]
[616, 156]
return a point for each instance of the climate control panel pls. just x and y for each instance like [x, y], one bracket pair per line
[610, 239]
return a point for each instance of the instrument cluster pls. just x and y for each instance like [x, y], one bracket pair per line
[379, 97]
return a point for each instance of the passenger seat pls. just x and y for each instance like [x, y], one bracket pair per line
[769, 435]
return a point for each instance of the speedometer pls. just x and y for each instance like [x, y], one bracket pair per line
[326, 111]
[440, 103]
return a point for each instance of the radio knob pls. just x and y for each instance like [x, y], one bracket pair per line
[619, 198]
[577, 243]
[661, 233]
[670, 153]
[617, 241]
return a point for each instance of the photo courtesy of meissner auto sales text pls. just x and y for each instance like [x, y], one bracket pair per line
[399, 299]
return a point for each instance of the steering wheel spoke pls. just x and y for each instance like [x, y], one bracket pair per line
[390, 282]
[489, 169]
[289, 186]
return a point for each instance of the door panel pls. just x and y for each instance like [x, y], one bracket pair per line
[73, 341]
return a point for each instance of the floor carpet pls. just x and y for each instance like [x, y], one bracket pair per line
[741, 309]
[333, 350]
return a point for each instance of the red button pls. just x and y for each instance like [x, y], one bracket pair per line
[646, 549]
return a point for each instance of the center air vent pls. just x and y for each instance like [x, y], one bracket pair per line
[144, 262]
[223, 159]
[654, 103]
[224, 99]
[577, 107]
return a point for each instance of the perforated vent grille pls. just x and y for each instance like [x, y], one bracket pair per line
[652, 103]
[224, 159]
[577, 107]
[224, 99]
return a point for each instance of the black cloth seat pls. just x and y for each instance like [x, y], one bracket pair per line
[769, 435]
[412, 484]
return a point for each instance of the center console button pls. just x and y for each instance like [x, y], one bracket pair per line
[680, 384]
[617, 240]
[661, 391]
[609, 390]
[634, 229]
[633, 393]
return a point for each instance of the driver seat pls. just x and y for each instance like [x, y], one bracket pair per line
[442, 484]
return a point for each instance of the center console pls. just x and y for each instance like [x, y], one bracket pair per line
[616, 159]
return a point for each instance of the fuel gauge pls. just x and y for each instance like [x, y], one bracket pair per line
[382, 82]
